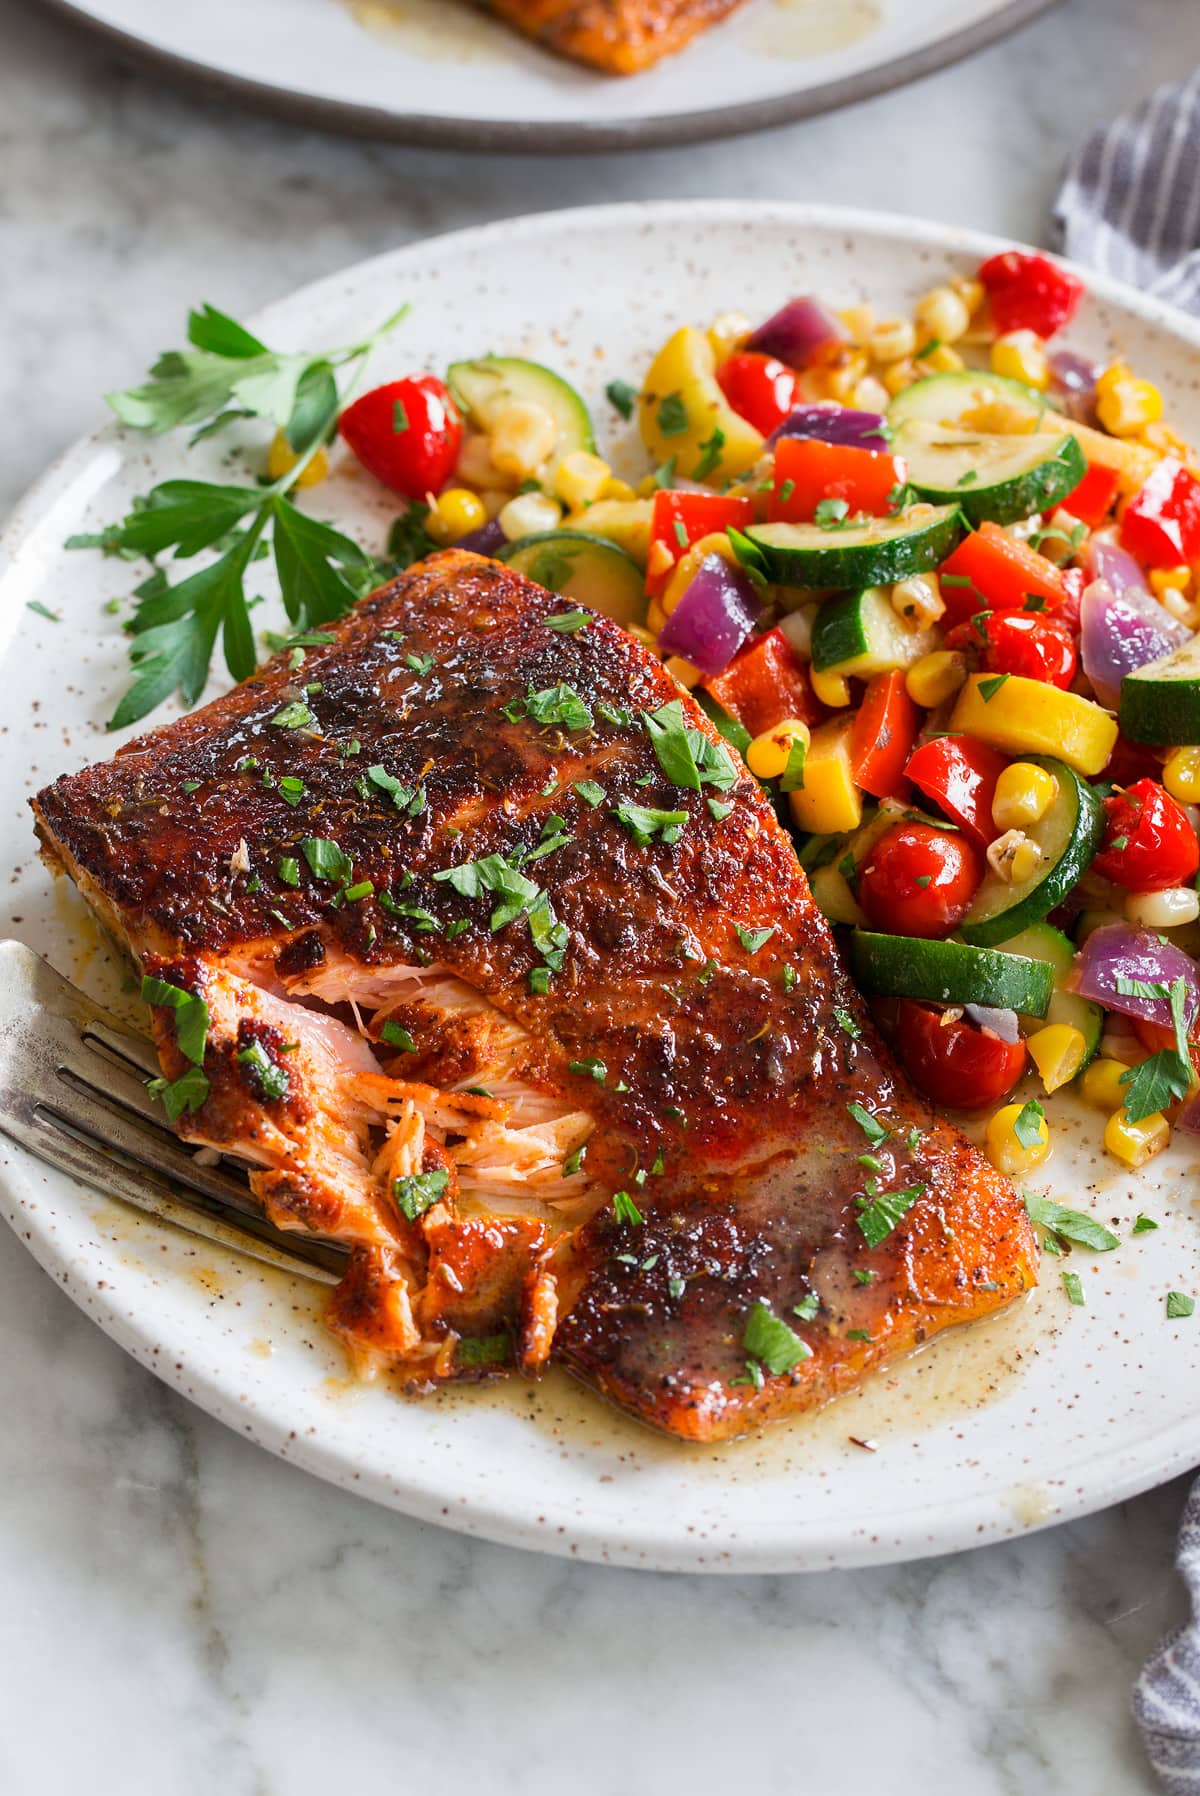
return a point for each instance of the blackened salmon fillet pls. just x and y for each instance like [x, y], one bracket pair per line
[619, 37]
[466, 931]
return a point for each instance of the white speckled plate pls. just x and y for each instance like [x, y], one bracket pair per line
[1046, 1412]
[439, 72]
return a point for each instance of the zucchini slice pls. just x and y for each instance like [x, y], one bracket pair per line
[483, 388]
[1041, 941]
[585, 568]
[875, 553]
[970, 399]
[905, 966]
[1004, 478]
[1067, 837]
[861, 634]
[1160, 703]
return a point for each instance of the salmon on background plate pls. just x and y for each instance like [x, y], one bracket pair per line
[619, 37]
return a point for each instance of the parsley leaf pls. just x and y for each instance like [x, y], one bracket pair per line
[870, 1125]
[271, 1080]
[590, 792]
[881, 1214]
[710, 454]
[326, 860]
[1070, 1225]
[687, 757]
[396, 1036]
[188, 1092]
[753, 939]
[672, 415]
[1073, 1286]
[1179, 1305]
[990, 687]
[1029, 1124]
[771, 1342]
[625, 1210]
[567, 622]
[558, 704]
[644, 823]
[829, 513]
[622, 397]
[191, 1015]
[419, 1192]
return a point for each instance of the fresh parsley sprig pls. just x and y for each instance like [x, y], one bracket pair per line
[227, 374]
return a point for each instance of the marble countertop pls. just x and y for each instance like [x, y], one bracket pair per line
[182, 1614]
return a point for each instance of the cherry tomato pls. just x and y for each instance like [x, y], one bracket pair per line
[760, 388]
[1025, 643]
[1029, 292]
[954, 1063]
[407, 433]
[959, 774]
[1161, 523]
[919, 880]
[1149, 842]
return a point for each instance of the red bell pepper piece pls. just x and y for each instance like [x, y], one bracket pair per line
[991, 571]
[1161, 525]
[959, 775]
[765, 684]
[1029, 292]
[808, 471]
[884, 732]
[1092, 500]
[681, 519]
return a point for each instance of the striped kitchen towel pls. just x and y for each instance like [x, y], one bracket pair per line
[1130, 205]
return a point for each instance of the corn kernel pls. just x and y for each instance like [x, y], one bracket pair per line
[281, 459]
[970, 291]
[1136, 1142]
[918, 600]
[1024, 793]
[1124, 403]
[1019, 355]
[1177, 579]
[1013, 857]
[682, 672]
[831, 689]
[617, 489]
[870, 395]
[938, 358]
[892, 340]
[936, 677]
[941, 314]
[768, 754]
[727, 332]
[523, 438]
[1058, 1052]
[1181, 775]
[1101, 1084]
[842, 379]
[529, 514]
[581, 478]
[899, 375]
[1167, 909]
[453, 513]
[859, 322]
[1005, 1151]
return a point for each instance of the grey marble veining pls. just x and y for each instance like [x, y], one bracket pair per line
[180, 1614]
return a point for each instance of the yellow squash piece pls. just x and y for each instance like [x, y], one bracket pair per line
[683, 415]
[829, 801]
[1028, 717]
[625, 522]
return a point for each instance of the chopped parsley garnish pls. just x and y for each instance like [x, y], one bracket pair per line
[681, 535]
[1029, 1123]
[419, 1192]
[1179, 1305]
[497, 875]
[326, 860]
[420, 919]
[397, 1037]
[753, 939]
[830, 513]
[1070, 1225]
[862, 1276]
[1166, 1075]
[881, 1213]
[483, 1350]
[622, 397]
[590, 1069]
[870, 1125]
[769, 1341]
[1144, 1225]
[710, 454]
[807, 1307]
[188, 1092]
[289, 870]
[191, 1015]
[291, 789]
[43, 610]
[858, 1334]
[792, 777]
[923, 880]
[574, 1161]
[748, 556]
[295, 716]
[789, 977]
[399, 417]
[672, 415]
[590, 792]
[786, 491]
[625, 1210]
[1073, 1286]
[719, 808]
[558, 704]
[567, 622]
[644, 823]
[271, 1080]
[846, 1023]
[686, 756]
[419, 664]
[617, 715]
[676, 1286]
[990, 687]
[539, 981]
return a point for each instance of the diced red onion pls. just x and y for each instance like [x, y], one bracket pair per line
[1002, 1023]
[712, 620]
[833, 423]
[1119, 952]
[1113, 564]
[485, 540]
[1120, 632]
[1074, 383]
[799, 333]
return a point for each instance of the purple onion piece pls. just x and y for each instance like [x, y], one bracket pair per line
[1073, 380]
[1116, 953]
[1002, 1023]
[1114, 565]
[833, 423]
[485, 540]
[1120, 632]
[799, 333]
[712, 620]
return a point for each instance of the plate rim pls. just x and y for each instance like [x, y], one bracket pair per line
[1092, 1482]
[653, 131]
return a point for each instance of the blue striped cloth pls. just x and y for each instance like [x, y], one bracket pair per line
[1130, 206]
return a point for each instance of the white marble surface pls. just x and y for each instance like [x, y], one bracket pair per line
[180, 1614]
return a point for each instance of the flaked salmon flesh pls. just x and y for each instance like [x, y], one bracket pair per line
[538, 1018]
[619, 37]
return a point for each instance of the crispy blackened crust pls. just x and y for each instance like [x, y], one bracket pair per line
[618, 36]
[719, 1071]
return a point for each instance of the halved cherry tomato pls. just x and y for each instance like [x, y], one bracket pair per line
[959, 775]
[885, 729]
[1028, 644]
[1161, 523]
[953, 1062]
[1029, 292]
[680, 519]
[407, 433]
[808, 471]
[764, 684]
[1149, 843]
[990, 569]
[1092, 500]
[760, 388]
[1129, 762]
[919, 880]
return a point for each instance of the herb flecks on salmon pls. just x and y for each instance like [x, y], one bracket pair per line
[572, 1075]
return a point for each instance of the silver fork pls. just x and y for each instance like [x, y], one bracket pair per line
[73, 1091]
